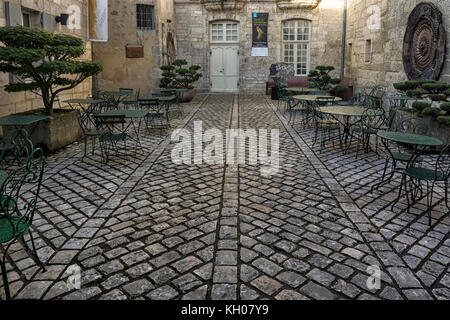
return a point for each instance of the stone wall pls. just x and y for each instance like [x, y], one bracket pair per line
[24, 101]
[193, 21]
[384, 22]
[137, 73]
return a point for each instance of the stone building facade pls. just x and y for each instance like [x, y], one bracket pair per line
[195, 20]
[135, 50]
[383, 23]
[41, 14]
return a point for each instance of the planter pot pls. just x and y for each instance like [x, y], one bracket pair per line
[187, 96]
[433, 127]
[55, 133]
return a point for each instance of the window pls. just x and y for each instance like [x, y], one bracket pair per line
[350, 52]
[145, 15]
[26, 19]
[296, 45]
[224, 32]
[368, 51]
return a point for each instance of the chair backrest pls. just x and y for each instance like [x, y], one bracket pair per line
[318, 93]
[108, 122]
[443, 162]
[12, 202]
[323, 101]
[395, 101]
[374, 102]
[148, 102]
[126, 90]
[162, 94]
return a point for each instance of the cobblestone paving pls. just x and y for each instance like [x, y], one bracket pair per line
[143, 227]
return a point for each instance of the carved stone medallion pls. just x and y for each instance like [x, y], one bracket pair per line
[424, 43]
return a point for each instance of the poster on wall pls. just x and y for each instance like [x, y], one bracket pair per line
[260, 45]
[98, 20]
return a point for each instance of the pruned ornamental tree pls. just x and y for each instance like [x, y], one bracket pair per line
[178, 75]
[434, 96]
[320, 78]
[43, 63]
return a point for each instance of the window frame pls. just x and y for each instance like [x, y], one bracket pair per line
[141, 23]
[368, 51]
[224, 37]
[294, 44]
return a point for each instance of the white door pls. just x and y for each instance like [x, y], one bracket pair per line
[224, 68]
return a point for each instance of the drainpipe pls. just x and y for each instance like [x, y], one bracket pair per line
[344, 39]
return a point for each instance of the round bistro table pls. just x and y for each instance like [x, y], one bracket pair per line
[348, 112]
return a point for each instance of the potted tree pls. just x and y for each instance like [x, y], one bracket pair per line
[178, 75]
[321, 79]
[46, 64]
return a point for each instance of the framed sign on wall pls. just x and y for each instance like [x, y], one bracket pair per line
[260, 44]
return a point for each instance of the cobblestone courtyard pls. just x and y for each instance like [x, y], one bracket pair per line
[143, 227]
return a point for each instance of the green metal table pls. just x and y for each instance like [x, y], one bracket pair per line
[346, 113]
[81, 102]
[19, 122]
[307, 102]
[301, 90]
[312, 98]
[115, 97]
[131, 115]
[417, 142]
[174, 90]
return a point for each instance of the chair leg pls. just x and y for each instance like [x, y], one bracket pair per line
[35, 251]
[5, 280]
[4, 273]
[430, 198]
[446, 195]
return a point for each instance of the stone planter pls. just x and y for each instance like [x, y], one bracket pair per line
[432, 125]
[55, 133]
[187, 96]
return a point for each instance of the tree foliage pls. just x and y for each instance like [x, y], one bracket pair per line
[43, 63]
[177, 75]
[320, 78]
[433, 93]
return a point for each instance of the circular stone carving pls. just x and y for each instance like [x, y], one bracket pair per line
[424, 43]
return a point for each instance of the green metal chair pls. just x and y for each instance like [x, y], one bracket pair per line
[170, 103]
[155, 112]
[324, 124]
[440, 173]
[401, 154]
[285, 98]
[368, 126]
[112, 134]
[132, 102]
[6, 147]
[16, 212]
[89, 128]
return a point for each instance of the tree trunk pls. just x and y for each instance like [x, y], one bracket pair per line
[48, 102]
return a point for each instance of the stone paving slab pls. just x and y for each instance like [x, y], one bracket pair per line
[143, 227]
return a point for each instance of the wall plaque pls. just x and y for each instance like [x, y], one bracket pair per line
[134, 51]
[424, 43]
